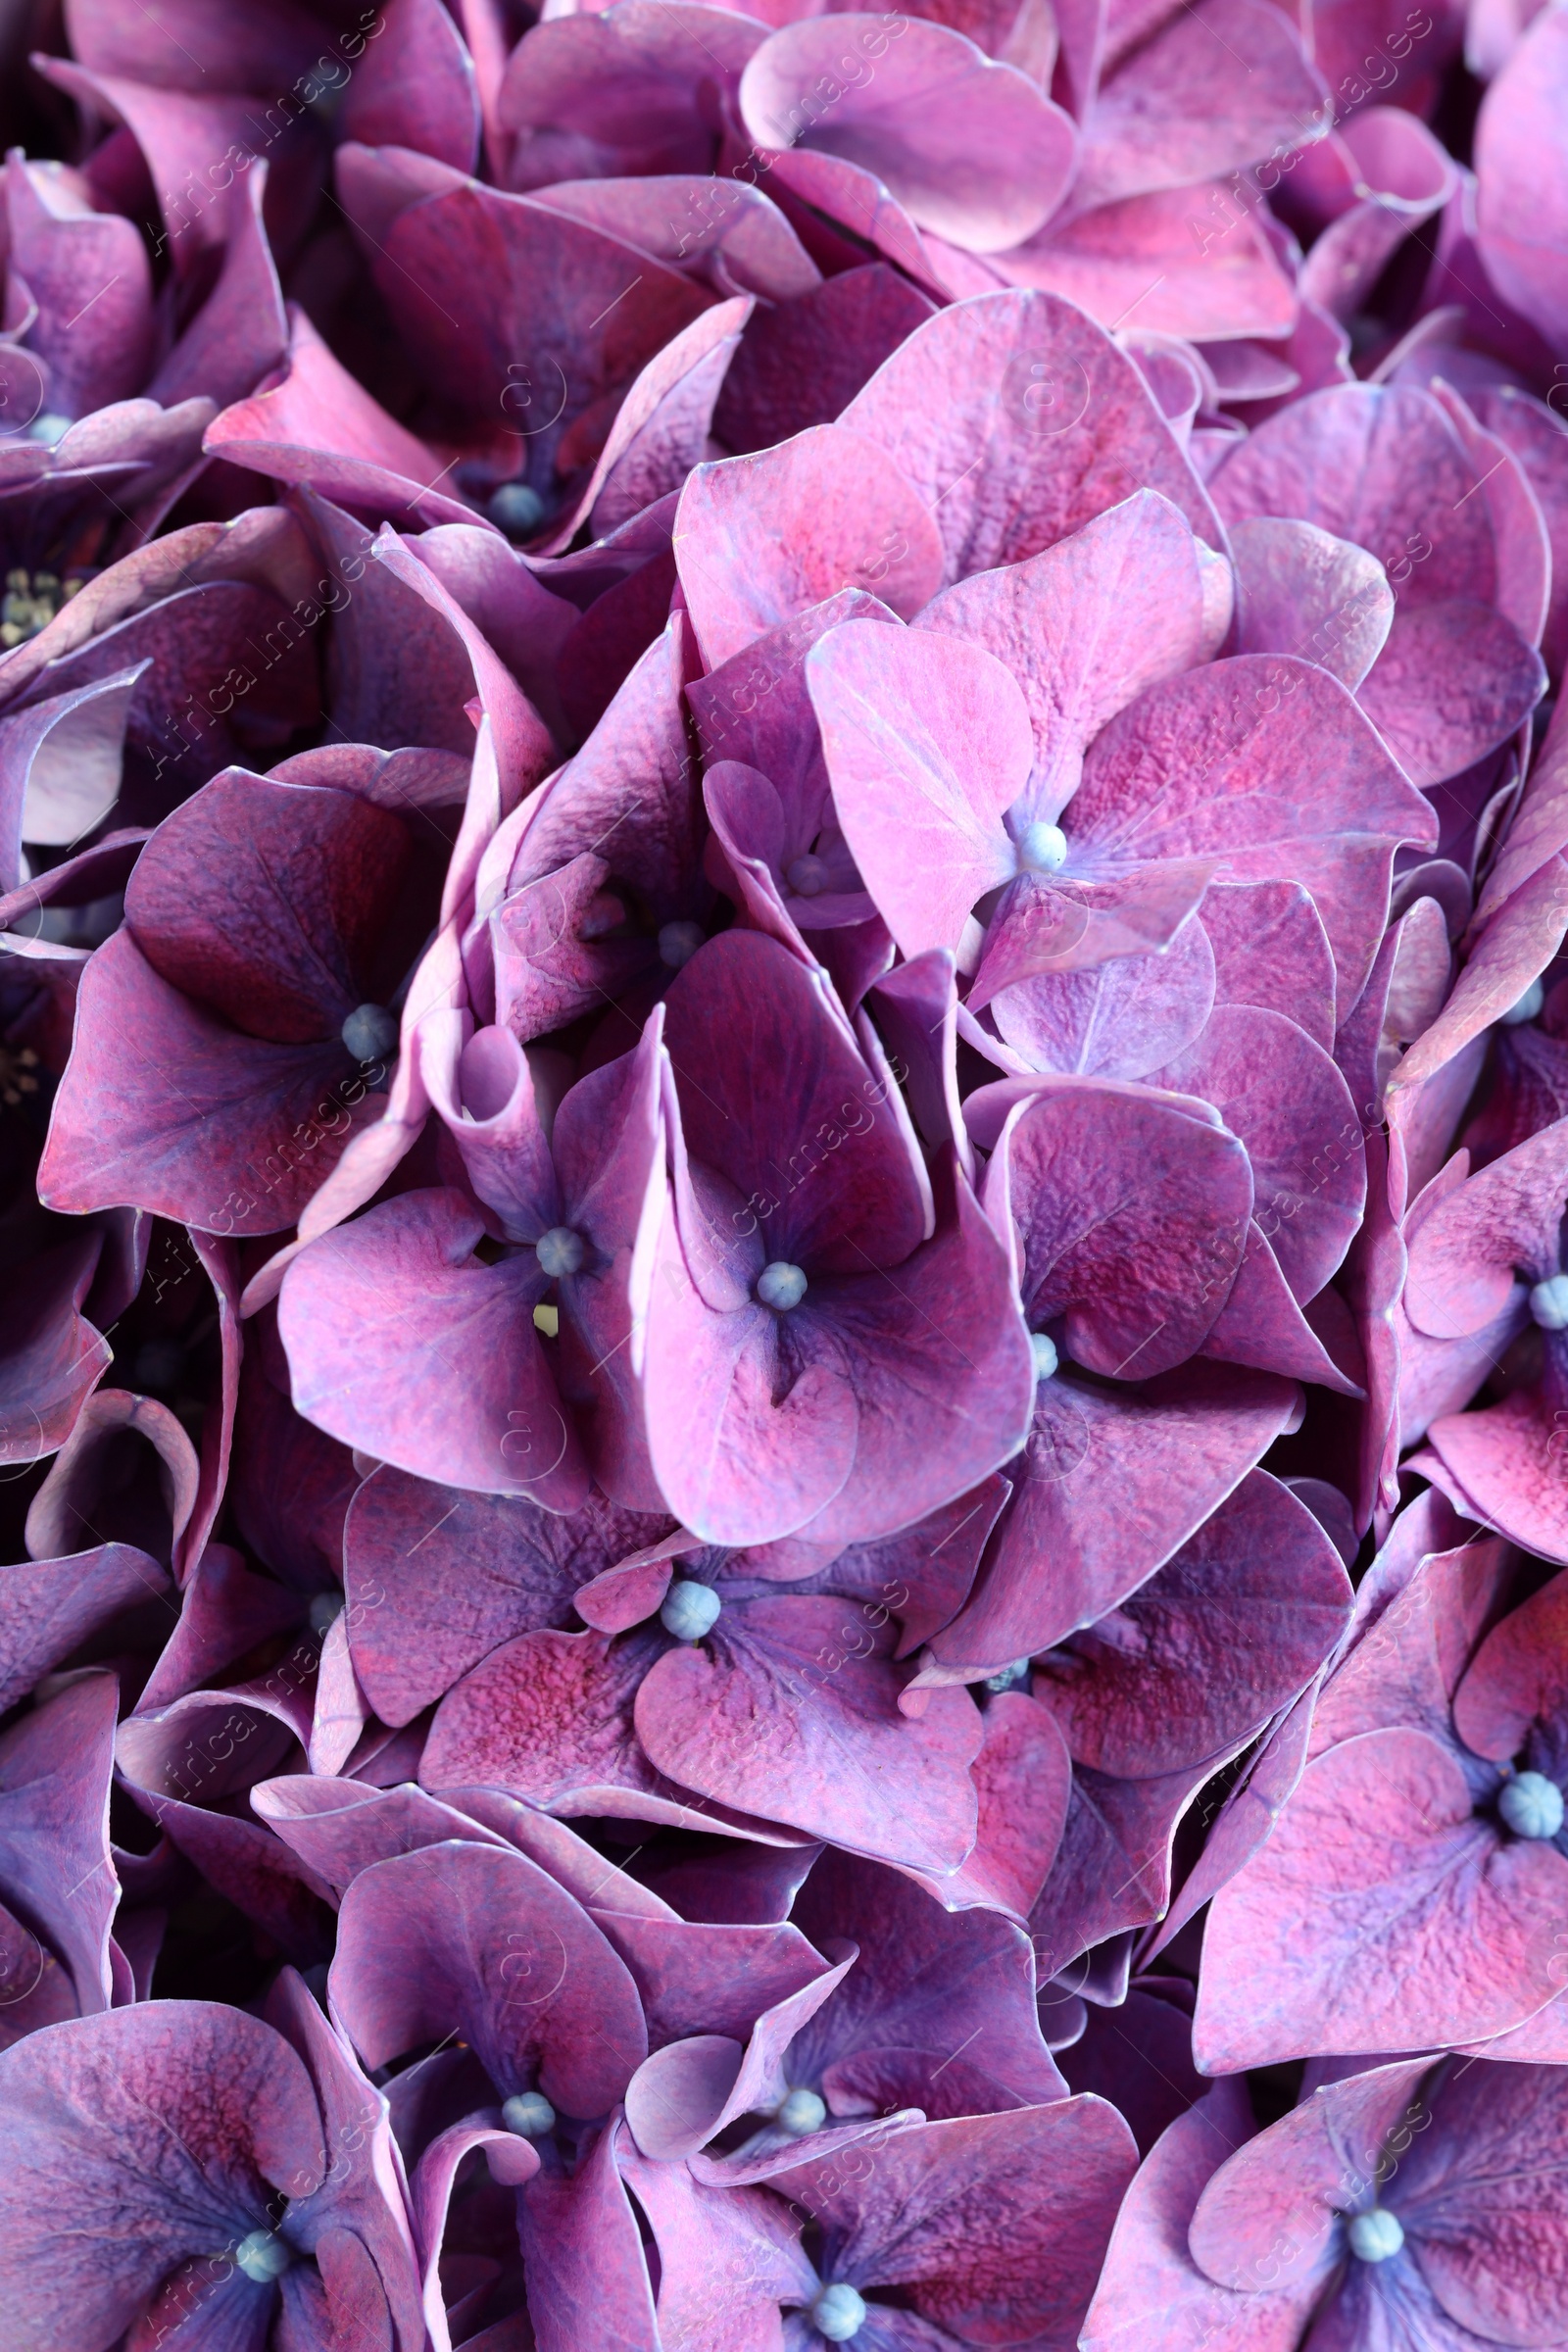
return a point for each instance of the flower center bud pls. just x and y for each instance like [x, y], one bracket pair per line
[530, 2113]
[560, 1250]
[690, 1610]
[807, 876]
[1042, 848]
[781, 1286]
[1009, 1676]
[837, 2313]
[1530, 1806]
[370, 1033]
[800, 2112]
[262, 2256]
[324, 1611]
[1548, 1302]
[516, 509]
[1376, 2235]
[678, 942]
[1045, 1353]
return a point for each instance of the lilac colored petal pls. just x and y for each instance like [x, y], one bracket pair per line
[397, 671]
[1452, 684]
[801, 362]
[437, 1580]
[416, 88]
[55, 1769]
[928, 1983]
[180, 2118]
[1113, 1868]
[691, 1975]
[1402, 176]
[1116, 1021]
[831, 514]
[488, 1093]
[584, 2256]
[1023, 1782]
[1261, 1324]
[727, 2259]
[1426, 1925]
[513, 750]
[1085, 626]
[465, 1936]
[1161, 121]
[753, 712]
[1167, 1454]
[927, 741]
[604, 94]
[989, 2223]
[1203, 279]
[1516, 1677]
[1213, 763]
[51, 1608]
[972, 149]
[88, 1478]
[225, 1612]
[593, 310]
[916, 1008]
[630, 791]
[182, 1146]
[1382, 466]
[1507, 1462]
[739, 1721]
[1539, 440]
[340, 1828]
[1225, 1634]
[1301, 591]
[751, 826]
[1126, 1272]
[549, 1717]
[1468, 1254]
[1287, 1100]
[382, 1313]
[1540, 827]
[1018, 422]
[1481, 2200]
[306, 869]
[54, 1357]
[240, 335]
[1515, 947]
[60, 245]
[178, 135]
[1518, 526]
[1523, 197]
[742, 237]
[608, 1145]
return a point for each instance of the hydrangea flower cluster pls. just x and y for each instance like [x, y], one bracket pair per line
[784, 1140]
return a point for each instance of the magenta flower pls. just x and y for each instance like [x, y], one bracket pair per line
[1407, 1896]
[1409, 2202]
[241, 2172]
[944, 2234]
